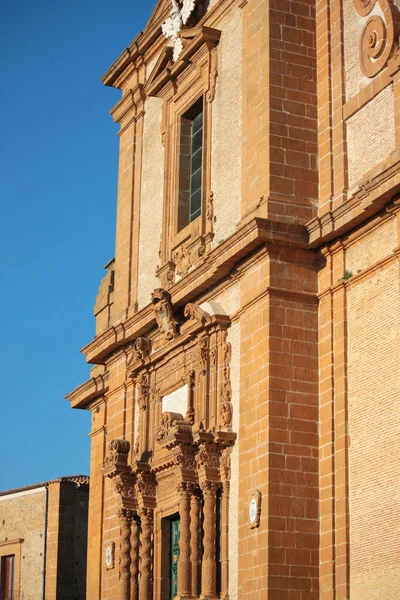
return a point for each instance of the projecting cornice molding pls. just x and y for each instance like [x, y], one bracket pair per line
[276, 236]
[130, 105]
[89, 391]
[372, 193]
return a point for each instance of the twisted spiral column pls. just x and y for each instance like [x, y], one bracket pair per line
[209, 566]
[146, 559]
[195, 529]
[184, 564]
[125, 518]
[135, 530]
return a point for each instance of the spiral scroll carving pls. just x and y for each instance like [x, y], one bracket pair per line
[379, 38]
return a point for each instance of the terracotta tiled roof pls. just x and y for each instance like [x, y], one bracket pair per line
[79, 480]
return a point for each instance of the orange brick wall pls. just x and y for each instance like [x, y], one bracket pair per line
[279, 109]
[279, 433]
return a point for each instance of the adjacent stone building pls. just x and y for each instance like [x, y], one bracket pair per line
[245, 382]
[43, 540]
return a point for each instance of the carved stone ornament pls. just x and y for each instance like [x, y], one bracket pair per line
[186, 256]
[167, 425]
[193, 311]
[166, 274]
[178, 17]
[142, 390]
[226, 411]
[380, 36]
[182, 259]
[212, 83]
[116, 460]
[210, 207]
[161, 300]
[141, 350]
[202, 353]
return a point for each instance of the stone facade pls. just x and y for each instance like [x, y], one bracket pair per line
[45, 527]
[245, 366]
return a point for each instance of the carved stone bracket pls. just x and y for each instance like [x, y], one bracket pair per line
[193, 311]
[141, 350]
[116, 461]
[166, 274]
[168, 425]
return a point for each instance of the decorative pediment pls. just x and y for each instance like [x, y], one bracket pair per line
[167, 69]
[162, 66]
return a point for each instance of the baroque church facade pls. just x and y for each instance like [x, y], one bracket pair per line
[245, 379]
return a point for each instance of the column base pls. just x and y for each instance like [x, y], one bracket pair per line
[184, 597]
[209, 597]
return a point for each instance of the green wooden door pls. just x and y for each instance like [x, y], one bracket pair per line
[174, 556]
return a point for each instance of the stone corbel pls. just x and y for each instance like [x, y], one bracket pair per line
[141, 350]
[166, 274]
[195, 313]
[116, 461]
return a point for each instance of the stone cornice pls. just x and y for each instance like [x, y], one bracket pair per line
[372, 193]
[215, 267]
[88, 391]
[128, 106]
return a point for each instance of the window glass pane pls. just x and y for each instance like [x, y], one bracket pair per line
[197, 160]
[190, 180]
[198, 122]
[196, 181]
[197, 140]
[195, 204]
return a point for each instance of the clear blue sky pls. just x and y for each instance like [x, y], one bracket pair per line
[58, 157]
